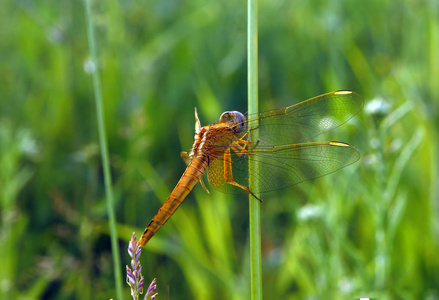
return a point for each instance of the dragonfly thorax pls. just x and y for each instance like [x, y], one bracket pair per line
[212, 140]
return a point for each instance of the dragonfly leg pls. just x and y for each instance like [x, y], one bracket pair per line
[227, 164]
[257, 143]
[244, 142]
[238, 149]
[248, 142]
[228, 175]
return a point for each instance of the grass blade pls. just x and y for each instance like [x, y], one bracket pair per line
[104, 151]
[254, 204]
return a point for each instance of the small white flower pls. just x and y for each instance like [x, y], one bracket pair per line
[377, 106]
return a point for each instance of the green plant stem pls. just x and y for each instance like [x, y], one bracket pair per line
[104, 151]
[254, 204]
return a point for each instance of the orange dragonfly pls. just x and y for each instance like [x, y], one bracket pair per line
[282, 151]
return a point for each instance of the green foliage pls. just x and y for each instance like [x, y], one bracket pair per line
[371, 229]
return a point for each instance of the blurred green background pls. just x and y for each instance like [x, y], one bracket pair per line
[371, 229]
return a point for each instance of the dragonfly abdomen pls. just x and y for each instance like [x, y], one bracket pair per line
[188, 180]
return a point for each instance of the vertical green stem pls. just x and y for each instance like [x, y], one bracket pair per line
[104, 152]
[254, 204]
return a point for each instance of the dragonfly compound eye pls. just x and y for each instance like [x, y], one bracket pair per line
[240, 119]
[234, 117]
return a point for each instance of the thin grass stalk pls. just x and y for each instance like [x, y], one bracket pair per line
[104, 151]
[254, 204]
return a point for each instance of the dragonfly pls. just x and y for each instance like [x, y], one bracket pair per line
[278, 142]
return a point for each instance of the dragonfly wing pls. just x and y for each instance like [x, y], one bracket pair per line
[283, 166]
[304, 121]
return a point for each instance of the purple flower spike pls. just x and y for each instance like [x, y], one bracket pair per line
[133, 264]
[131, 280]
[134, 276]
[138, 271]
[151, 289]
[139, 250]
[141, 283]
[132, 245]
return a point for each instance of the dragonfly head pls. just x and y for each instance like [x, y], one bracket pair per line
[237, 120]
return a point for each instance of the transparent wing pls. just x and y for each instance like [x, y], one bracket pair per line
[306, 120]
[283, 166]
